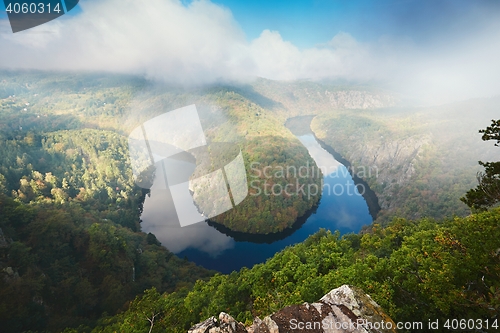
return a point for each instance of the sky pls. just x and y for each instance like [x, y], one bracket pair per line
[437, 50]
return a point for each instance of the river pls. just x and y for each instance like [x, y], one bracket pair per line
[341, 207]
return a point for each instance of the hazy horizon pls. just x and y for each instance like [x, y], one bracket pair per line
[432, 51]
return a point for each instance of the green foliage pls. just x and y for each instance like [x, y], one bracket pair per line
[3, 184]
[73, 254]
[41, 132]
[487, 193]
[153, 312]
[492, 132]
[65, 266]
[85, 166]
[416, 270]
[410, 158]
[268, 208]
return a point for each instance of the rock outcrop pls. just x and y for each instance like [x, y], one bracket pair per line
[354, 99]
[345, 309]
[386, 164]
[390, 163]
[225, 324]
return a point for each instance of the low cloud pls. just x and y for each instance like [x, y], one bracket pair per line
[202, 43]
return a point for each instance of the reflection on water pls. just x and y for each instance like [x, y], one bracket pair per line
[160, 215]
[341, 208]
[323, 159]
[159, 218]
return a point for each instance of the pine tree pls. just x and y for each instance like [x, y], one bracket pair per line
[487, 193]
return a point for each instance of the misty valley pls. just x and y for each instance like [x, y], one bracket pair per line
[346, 184]
[341, 207]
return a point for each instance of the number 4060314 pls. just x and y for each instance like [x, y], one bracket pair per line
[32, 8]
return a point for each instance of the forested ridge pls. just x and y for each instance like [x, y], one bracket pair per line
[40, 110]
[64, 265]
[72, 254]
[419, 162]
[71, 247]
[416, 270]
[85, 166]
[276, 212]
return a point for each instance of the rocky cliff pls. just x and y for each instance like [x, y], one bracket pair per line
[386, 161]
[355, 99]
[306, 98]
[386, 164]
[344, 309]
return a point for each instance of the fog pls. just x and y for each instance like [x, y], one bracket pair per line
[202, 43]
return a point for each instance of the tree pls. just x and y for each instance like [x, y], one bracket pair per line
[487, 193]
[3, 184]
[492, 132]
[150, 306]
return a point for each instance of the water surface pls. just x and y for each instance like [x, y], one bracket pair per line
[341, 208]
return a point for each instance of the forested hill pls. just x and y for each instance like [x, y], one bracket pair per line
[419, 161]
[65, 265]
[37, 109]
[71, 250]
[70, 245]
[70, 242]
[416, 270]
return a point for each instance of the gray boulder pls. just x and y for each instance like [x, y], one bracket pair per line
[344, 309]
[225, 324]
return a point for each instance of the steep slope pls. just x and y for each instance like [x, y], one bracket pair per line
[417, 271]
[418, 161]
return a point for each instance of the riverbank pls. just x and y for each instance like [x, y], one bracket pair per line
[363, 188]
[302, 125]
[265, 238]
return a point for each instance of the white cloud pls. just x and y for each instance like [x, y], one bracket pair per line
[202, 43]
[162, 39]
